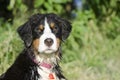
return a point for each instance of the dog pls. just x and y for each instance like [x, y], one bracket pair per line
[42, 35]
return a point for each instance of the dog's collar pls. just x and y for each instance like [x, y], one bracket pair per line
[46, 65]
[43, 64]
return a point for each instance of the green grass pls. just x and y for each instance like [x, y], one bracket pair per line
[87, 54]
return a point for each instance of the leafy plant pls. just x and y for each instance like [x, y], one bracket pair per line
[92, 50]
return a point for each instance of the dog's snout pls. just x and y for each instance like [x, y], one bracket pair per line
[49, 42]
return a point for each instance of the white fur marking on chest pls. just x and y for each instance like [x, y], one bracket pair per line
[44, 73]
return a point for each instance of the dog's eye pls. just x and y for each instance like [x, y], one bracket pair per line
[38, 30]
[55, 29]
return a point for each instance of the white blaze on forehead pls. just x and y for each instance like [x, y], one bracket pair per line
[47, 33]
[46, 27]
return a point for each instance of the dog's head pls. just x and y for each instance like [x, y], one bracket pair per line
[44, 32]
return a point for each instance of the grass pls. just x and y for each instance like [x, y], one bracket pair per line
[87, 54]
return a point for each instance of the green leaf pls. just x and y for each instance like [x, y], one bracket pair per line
[38, 3]
[11, 5]
[23, 8]
[60, 1]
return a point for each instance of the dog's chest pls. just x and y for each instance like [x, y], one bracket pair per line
[46, 74]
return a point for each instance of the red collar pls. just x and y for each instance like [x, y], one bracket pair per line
[46, 65]
[43, 64]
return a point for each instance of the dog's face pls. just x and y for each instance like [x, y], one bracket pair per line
[44, 32]
[47, 37]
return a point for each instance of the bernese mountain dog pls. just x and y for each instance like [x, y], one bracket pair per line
[42, 35]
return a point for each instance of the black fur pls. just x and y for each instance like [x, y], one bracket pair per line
[24, 67]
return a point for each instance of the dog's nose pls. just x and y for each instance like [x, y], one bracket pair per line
[48, 42]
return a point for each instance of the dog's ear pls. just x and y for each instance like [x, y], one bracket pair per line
[66, 29]
[25, 33]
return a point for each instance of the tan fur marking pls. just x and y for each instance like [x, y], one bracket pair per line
[58, 45]
[52, 25]
[58, 42]
[36, 44]
[41, 27]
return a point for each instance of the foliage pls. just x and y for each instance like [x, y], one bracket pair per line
[107, 13]
[41, 6]
[90, 53]
[104, 8]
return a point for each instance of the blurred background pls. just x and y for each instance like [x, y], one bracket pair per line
[92, 52]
